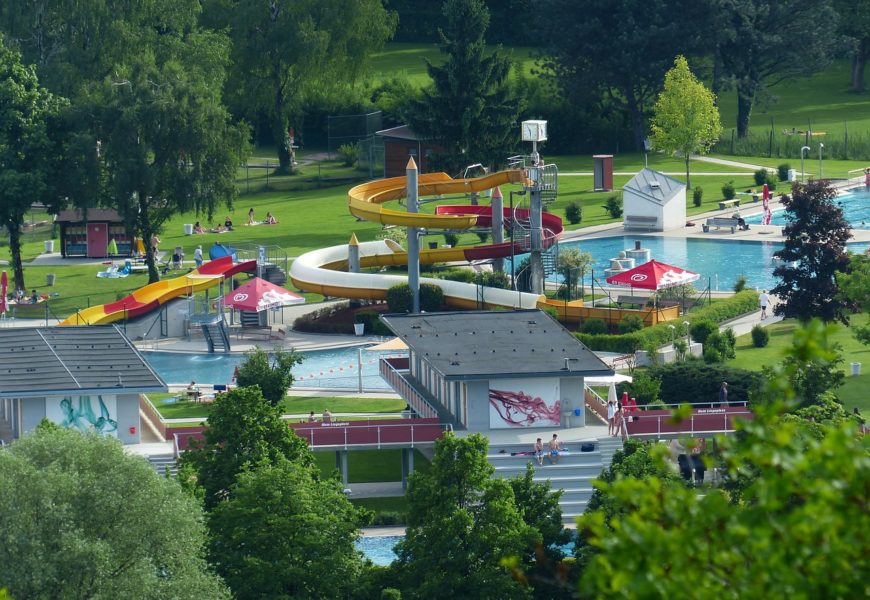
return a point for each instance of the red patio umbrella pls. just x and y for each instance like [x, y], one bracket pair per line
[258, 295]
[653, 275]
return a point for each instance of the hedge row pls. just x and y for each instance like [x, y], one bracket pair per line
[661, 334]
[695, 381]
[311, 322]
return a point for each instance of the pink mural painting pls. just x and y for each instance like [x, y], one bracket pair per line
[518, 409]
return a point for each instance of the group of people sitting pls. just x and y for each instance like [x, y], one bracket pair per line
[270, 219]
[227, 226]
[618, 411]
[327, 417]
[19, 296]
[554, 450]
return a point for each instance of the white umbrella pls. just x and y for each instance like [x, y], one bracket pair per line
[611, 392]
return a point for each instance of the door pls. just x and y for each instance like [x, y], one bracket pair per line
[98, 239]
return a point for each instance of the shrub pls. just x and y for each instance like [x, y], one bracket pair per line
[348, 154]
[643, 388]
[431, 297]
[771, 181]
[388, 518]
[552, 312]
[614, 206]
[373, 325]
[782, 170]
[574, 213]
[681, 347]
[594, 326]
[701, 330]
[463, 275]
[740, 284]
[451, 239]
[728, 191]
[697, 195]
[399, 298]
[482, 236]
[760, 337]
[760, 176]
[695, 381]
[495, 279]
[317, 321]
[630, 323]
[712, 355]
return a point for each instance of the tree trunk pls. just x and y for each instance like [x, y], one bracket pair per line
[745, 98]
[147, 232]
[279, 128]
[637, 121]
[688, 181]
[14, 227]
[859, 61]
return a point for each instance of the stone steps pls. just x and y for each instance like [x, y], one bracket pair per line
[160, 462]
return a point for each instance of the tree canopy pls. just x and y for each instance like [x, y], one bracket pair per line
[80, 518]
[274, 375]
[685, 118]
[814, 252]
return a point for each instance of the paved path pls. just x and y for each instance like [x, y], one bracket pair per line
[730, 163]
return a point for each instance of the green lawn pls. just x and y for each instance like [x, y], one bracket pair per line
[397, 504]
[367, 466]
[854, 391]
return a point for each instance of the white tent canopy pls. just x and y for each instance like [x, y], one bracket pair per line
[605, 381]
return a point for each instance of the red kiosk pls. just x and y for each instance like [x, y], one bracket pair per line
[90, 237]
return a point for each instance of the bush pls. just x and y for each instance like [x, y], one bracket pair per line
[760, 337]
[573, 213]
[614, 207]
[643, 388]
[782, 170]
[712, 355]
[451, 239]
[372, 322]
[552, 312]
[760, 176]
[483, 237]
[317, 321]
[495, 279]
[630, 323]
[594, 326]
[431, 298]
[348, 154]
[771, 181]
[462, 275]
[740, 284]
[388, 518]
[399, 298]
[695, 381]
[697, 195]
[701, 330]
[728, 191]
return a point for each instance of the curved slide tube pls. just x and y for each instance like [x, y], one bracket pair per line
[324, 271]
[153, 295]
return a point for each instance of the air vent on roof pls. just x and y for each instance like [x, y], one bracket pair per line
[454, 363]
[655, 184]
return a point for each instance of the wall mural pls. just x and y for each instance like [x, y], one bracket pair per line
[85, 413]
[535, 404]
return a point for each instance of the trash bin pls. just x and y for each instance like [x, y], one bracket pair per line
[792, 174]
[359, 328]
[856, 369]
[49, 279]
[188, 229]
[433, 245]
[49, 245]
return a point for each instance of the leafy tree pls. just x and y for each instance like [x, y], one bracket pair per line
[273, 376]
[854, 287]
[284, 50]
[855, 27]
[758, 48]
[815, 241]
[572, 265]
[81, 518]
[27, 152]
[618, 51]
[685, 117]
[804, 492]
[286, 533]
[470, 109]
[461, 524]
[168, 142]
[245, 431]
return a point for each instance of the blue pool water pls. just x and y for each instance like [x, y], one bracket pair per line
[333, 369]
[855, 205]
[718, 261]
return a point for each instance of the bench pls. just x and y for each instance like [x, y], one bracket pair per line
[723, 204]
[726, 222]
[639, 222]
[632, 300]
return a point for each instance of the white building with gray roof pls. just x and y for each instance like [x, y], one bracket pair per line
[88, 378]
[654, 201]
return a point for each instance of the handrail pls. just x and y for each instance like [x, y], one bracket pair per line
[686, 426]
[397, 381]
[348, 426]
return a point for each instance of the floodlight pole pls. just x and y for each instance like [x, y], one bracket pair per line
[803, 173]
[821, 147]
[412, 179]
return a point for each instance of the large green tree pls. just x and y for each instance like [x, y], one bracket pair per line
[814, 252]
[616, 52]
[273, 374]
[286, 533]
[765, 42]
[245, 431]
[461, 524]
[685, 117]
[572, 265]
[854, 286]
[470, 109]
[855, 27]
[28, 154]
[81, 518]
[283, 50]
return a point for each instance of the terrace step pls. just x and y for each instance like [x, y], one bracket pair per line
[160, 462]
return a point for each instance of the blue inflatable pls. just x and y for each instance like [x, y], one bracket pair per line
[219, 251]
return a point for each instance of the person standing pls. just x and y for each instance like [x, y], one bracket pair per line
[251, 216]
[611, 417]
[155, 243]
[197, 256]
[327, 416]
[763, 301]
[723, 394]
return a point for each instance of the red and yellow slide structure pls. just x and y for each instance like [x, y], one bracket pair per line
[153, 295]
[325, 270]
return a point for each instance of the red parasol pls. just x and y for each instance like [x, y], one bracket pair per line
[4, 284]
[653, 275]
[258, 294]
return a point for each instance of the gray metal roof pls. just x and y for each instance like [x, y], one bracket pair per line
[53, 360]
[667, 188]
[487, 344]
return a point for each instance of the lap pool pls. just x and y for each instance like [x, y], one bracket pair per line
[331, 369]
[719, 261]
[855, 204]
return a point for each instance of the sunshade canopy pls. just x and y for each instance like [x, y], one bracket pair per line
[653, 275]
[393, 344]
[258, 294]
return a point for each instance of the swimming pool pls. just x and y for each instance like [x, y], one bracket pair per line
[855, 204]
[332, 369]
[719, 261]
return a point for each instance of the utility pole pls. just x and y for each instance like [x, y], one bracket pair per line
[412, 179]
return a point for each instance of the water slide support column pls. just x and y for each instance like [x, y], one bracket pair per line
[536, 260]
[497, 205]
[412, 173]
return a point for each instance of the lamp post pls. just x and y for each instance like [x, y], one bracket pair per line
[686, 324]
[673, 333]
[821, 147]
[803, 173]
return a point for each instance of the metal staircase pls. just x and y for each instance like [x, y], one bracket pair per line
[214, 329]
[274, 274]
[550, 258]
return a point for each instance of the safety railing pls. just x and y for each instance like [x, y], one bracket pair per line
[701, 421]
[391, 370]
[347, 434]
